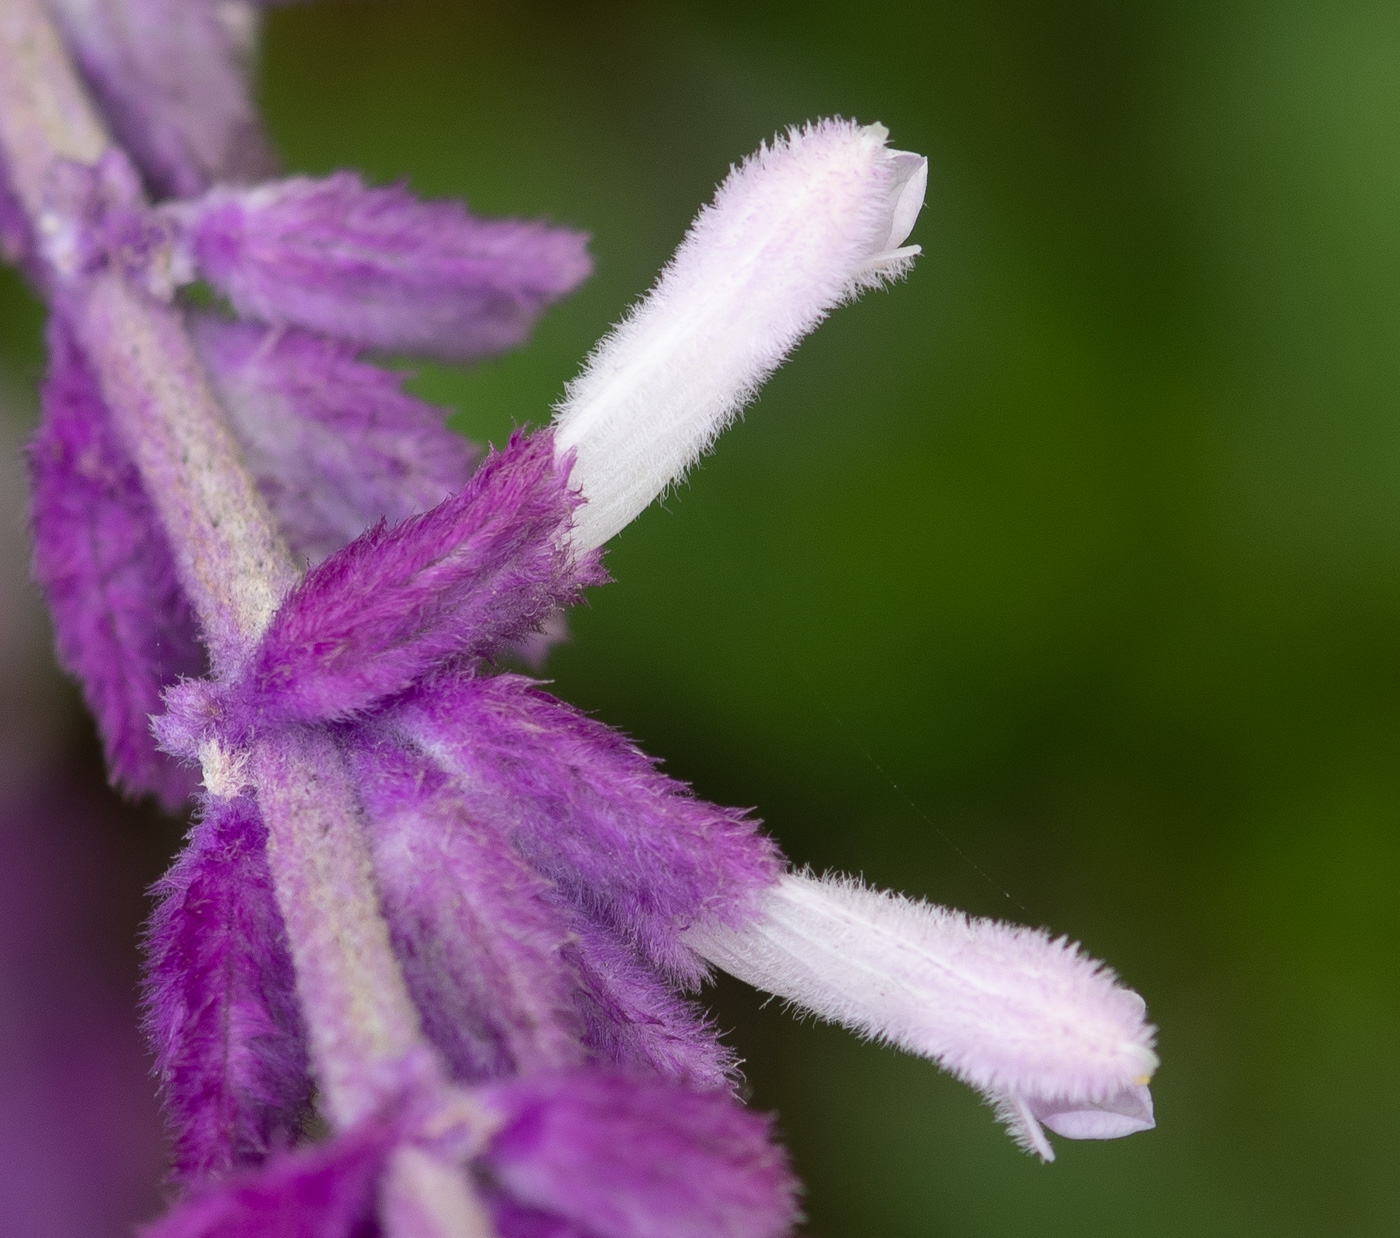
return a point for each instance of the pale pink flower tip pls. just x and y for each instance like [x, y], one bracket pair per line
[799, 227]
[1046, 1033]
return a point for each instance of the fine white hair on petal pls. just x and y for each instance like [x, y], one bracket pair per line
[799, 227]
[1042, 1030]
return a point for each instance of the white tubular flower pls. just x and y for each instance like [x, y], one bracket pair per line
[795, 230]
[1047, 1034]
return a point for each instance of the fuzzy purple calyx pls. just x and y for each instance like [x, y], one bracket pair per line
[478, 935]
[377, 267]
[121, 621]
[335, 443]
[481, 569]
[511, 973]
[171, 78]
[221, 1004]
[623, 842]
[628, 1158]
[594, 1153]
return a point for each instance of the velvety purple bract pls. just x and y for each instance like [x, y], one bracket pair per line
[480, 569]
[171, 78]
[626, 844]
[121, 622]
[326, 1191]
[379, 268]
[334, 442]
[221, 1008]
[630, 1158]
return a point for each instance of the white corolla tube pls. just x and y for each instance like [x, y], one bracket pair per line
[1046, 1033]
[800, 226]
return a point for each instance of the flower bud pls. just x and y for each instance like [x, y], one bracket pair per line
[798, 228]
[1044, 1032]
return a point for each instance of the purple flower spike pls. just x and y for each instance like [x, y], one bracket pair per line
[221, 1000]
[410, 867]
[625, 843]
[485, 567]
[481, 945]
[323, 1192]
[121, 622]
[378, 267]
[171, 77]
[628, 1158]
[334, 442]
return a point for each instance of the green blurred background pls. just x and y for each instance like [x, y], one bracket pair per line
[1060, 583]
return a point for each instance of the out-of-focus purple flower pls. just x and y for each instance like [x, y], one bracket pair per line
[171, 77]
[221, 1002]
[80, 1145]
[16, 244]
[334, 442]
[80, 1139]
[377, 267]
[121, 622]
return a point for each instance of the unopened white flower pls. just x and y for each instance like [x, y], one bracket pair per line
[801, 226]
[1044, 1032]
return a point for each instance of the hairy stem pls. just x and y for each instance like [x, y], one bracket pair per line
[339, 941]
[365, 1036]
[229, 552]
